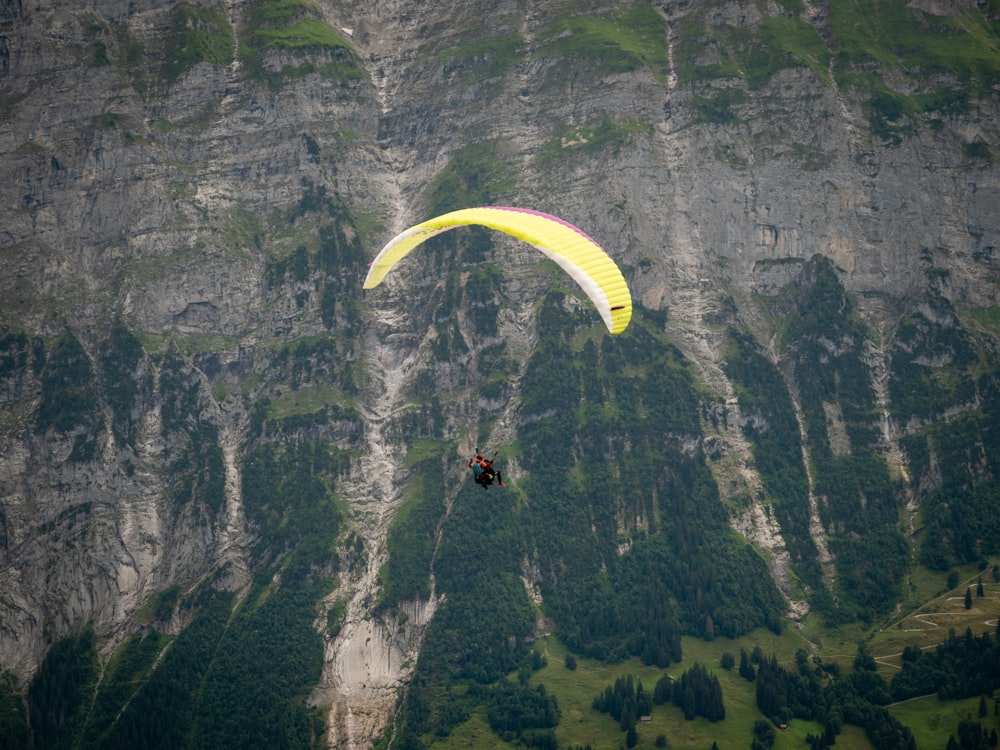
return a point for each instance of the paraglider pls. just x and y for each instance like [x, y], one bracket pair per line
[483, 472]
[576, 253]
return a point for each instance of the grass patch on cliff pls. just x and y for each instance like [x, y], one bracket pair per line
[303, 34]
[986, 317]
[896, 37]
[305, 400]
[870, 39]
[242, 232]
[425, 449]
[478, 174]
[196, 34]
[621, 41]
[786, 42]
[594, 137]
[187, 344]
[707, 51]
[296, 27]
[698, 54]
[717, 109]
[866, 41]
[188, 34]
[486, 58]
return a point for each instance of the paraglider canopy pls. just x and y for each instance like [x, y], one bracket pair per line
[576, 253]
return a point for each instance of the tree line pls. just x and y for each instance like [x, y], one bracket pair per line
[696, 692]
[962, 666]
[824, 694]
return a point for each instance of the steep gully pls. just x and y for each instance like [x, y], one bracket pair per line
[370, 659]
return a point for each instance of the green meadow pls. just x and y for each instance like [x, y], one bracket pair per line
[580, 724]
[922, 623]
[932, 721]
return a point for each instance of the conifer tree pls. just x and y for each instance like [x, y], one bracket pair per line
[747, 672]
[631, 736]
[663, 691]
[864, 661]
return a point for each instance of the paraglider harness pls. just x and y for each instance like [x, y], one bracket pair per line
[483, 471]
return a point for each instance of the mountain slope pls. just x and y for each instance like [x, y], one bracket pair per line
[213, 444]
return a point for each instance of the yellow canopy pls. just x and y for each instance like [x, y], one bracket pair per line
[576, 253]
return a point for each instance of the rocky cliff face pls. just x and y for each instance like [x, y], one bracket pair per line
[210, 176]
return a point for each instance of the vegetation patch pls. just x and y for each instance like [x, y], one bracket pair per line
[120, 357]
[129, 668]
[296, 27]
[944, 60]
[979, 151]
[238, 234]
[773, 432]
[69, 404]
[109, 121]
[717, 108]
[197, 467]
[786, 42]
[412, 537]
[896, 37]
[858, 504]
[61, 692]
[932, 356]
[753, 54]
[986, 317]
[491, 57]
[477, 175]
[885, 118]
[13, 723]
[288, 494]
[934, 721]
[196, 34]
[606, 135]
[698, 54]
[100, 58]
[621, 41]
[305, 400]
